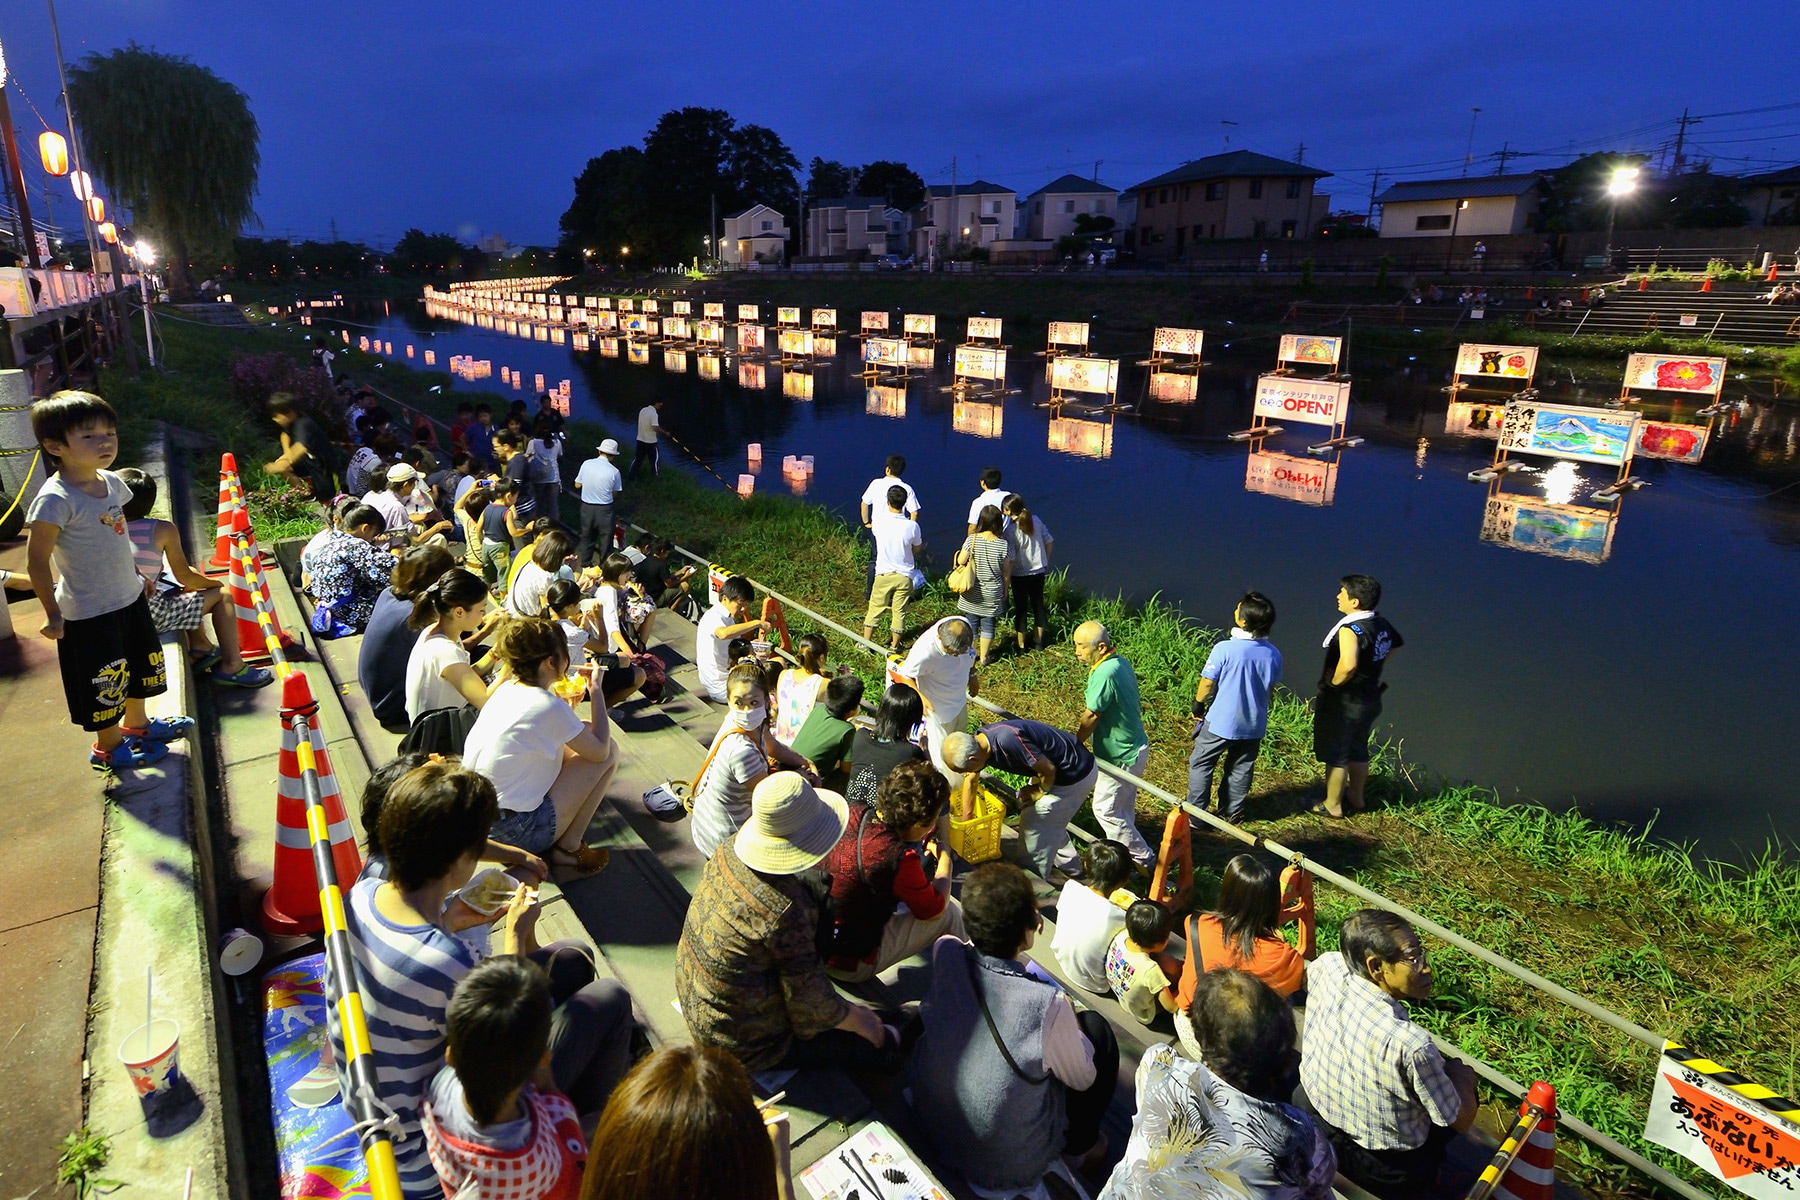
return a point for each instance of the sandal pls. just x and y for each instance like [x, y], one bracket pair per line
[209, 659]
[588, 860]
[1319, 810]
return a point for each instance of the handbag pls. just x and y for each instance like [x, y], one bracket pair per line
[962, 576]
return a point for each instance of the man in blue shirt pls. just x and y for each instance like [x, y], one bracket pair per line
[1239, 674]
[1061, 771]
[599, 485]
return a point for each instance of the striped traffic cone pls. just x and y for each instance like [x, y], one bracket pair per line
[291, 905]
[256, 583]
[255, 647]
[1532, 1175]
[230, 500]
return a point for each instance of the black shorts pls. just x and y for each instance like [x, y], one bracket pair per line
[615, 679]
[109, 659]
[1341, 725]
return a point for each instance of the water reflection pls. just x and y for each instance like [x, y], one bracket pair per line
[885, 400]
[675, 361]
[1570, 531]
[707, 366]
[751, 375]
[1086, 439]
[976, 418]
[608, 347]
[1287, 477]
[797, 385]
[639, 353]
[1174, 387]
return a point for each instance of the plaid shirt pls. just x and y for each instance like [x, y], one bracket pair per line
[1366, 1067]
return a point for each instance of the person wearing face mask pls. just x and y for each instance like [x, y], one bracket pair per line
[739, 759]
[1376, 1083]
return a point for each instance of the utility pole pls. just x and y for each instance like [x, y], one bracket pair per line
[1374, 183]
[1505, 152]
[1681, 127]
[1469, 154]
[15, 184]
[1097, 163]
[1300, 154]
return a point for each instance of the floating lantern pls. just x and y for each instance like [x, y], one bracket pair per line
[96, 209]
[754, 452]
[54, 151]
[431, 358]
[537, 383]
[83, 185]
[387, 347]
[746, 485]
[409, 352]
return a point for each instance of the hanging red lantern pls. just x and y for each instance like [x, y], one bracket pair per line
[54, 151]
[96, 209]
[108, 232]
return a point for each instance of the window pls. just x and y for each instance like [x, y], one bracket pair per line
[1149, 199]
[1037, 209]
[1288, 228]
[1162, 197]
[1442, 221]
[1215, 191]
[1293, 189]
[1187, 193]
[1197, 234]
[768, 225]
[1099, 206]
[1260, 230]
[994, 207]
[1256, 189]
[1068, 206]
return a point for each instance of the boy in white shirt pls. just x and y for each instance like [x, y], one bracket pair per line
[897, 537]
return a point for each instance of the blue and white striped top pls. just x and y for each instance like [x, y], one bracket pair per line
[407, 974]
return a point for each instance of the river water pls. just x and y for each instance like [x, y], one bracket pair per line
[1638, 660]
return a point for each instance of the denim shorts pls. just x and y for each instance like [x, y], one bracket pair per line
[533, 831]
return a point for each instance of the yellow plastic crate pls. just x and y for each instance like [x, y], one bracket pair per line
[977, 840]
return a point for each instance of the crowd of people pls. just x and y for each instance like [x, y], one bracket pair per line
[515, 1069]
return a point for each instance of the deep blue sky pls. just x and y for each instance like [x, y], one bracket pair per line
[471, 118]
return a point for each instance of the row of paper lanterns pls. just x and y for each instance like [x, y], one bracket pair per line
[54, 151]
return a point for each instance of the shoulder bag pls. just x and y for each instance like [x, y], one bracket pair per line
[962, 576]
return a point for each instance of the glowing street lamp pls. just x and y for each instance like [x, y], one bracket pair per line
[1623, 183]
[54, 152]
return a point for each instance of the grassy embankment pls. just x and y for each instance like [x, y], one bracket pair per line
[1701, 951]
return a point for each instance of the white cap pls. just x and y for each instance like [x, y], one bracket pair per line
[609, 446]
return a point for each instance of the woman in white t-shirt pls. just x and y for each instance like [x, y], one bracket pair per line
[549, 767]
[738, 761]
[1028, 545]
[545, 449]
[438, 671]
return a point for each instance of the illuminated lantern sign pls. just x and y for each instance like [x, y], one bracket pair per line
[874, 322]
[985, 328]
[1313, 401]
[980, 362]
[1496, 362]
[1314, 351]
[1675, 373]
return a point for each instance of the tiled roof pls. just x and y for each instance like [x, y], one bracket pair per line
[1460, 189]
[1074, 183]
[1237, 164]
[976, 187]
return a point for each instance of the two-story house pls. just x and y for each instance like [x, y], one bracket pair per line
[757, 234]
[978, 213]
[1482, 206]
[849, 227]
[1050, 211]
[1239, 194]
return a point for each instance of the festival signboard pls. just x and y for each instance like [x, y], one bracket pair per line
[1303, 480]
[1174, 387]
[884, 351]
[1675, 373]
[787, 314]
[650, 306]
[675, 327]
[712, 310]
[625, 305]
[636, 324]
[682, 308]
[707, 367]
[606, 319]
[1474, 419]
[977, 419]
[824, 347]
[1313, 401]
[752, 375]
[1496, 362]
[675, 361]
[1095, 375]
[1177, 341]
[1737, 1141]
[797, 385]
[1086, 439]
[709, 333]
[1310, 349]
[874, 322]
[923, 324]
[987, 328]
[924, 357]
[1069, 333]
[1676, 443]
[825, 318]
[749, 312]
[980, 362]
[1558, 530]
[603, 302]
[750, 337]
[885, 401]
[795, 343]
[1596, 435]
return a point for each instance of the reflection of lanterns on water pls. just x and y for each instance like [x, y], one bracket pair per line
[981, 420]
[1174, 387]
[797, 385]
[1560, 482]
[883, 401]
[609, 347]
[1088, 439]
[675, 361]
[708, 368]
[639, 353]
[752, 375]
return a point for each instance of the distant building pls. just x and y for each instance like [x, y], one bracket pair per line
[1483, 206]
[1773, 198]
[492, 243]
[755, 234]
[1239, 194]
[1050, 211]
[849, 226]
[977, 214]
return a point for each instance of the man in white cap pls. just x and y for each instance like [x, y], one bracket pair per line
[599, 483]
[747, 968]
[941, 668]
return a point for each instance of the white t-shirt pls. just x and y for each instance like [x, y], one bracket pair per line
[578, 640]
[517, 742]
[598, 480]
[993, 498]
[1030, 555]
[1086, 924]
[943, 678]
[526, 596]
[96, 569]
[875, 496]
[710, 651]
[895, 537]
[426, 687]
[647, 424]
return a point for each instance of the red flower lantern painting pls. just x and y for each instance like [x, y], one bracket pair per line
[1677, 443]
[1685, 375]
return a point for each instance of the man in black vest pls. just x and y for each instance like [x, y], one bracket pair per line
[1350, 687]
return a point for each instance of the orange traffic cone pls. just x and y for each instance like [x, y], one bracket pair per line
[1706, 285]
[1533, 1174]
[1774, 272]
[1644, 284]
[230, 498]
[291, 905]
[256, 582]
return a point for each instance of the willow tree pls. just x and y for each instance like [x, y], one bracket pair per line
[171, 141]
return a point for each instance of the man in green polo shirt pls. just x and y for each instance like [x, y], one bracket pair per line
[1115, 720]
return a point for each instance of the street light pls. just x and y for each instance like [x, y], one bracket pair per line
[1623, 183]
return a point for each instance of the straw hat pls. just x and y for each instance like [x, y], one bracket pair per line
[792, 825]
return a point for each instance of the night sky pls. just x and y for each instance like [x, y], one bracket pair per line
[474, 118]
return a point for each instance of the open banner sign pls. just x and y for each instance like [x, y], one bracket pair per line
[1313, 401]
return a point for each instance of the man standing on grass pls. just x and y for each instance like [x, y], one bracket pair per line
[897, 540]
[598, 484]
[1231, 707]
[874, 501]
[1114, 718]
[647, 431]
[1356, 650]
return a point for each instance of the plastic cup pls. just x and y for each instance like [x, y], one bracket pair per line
[149, 1055]
[239, 952]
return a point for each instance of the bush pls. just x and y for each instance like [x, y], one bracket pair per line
[253, 378]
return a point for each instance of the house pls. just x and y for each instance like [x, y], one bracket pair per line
[1481, 206]
[849, 227]
[1050, 211]
[1773, 198]
[973, 214]
[756, 234]
[1238, 194]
